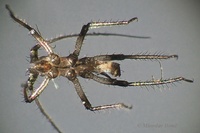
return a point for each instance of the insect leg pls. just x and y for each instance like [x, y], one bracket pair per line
[139, 56]
[80, 39]
[33, 32]
[112, 23]
[88, 105]
[34, 53]
[34, 93]
[28, 86]
[110, 81]
[91, 25]
[29, 93]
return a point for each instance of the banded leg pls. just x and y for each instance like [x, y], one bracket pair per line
[35, 93]
[28, 86]
[34, 53]
[88, 105]
[91, 25]
[139, 56]
[33, 32]
[110, 81]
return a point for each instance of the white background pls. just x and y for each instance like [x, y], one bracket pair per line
[174, 29]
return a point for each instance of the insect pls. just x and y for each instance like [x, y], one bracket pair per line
[100, 68]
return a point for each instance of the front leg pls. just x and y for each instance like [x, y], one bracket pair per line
[34, 93]
[85, 28]
[28, 86]
[34, 53]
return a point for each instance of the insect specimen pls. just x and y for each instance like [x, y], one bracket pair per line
[100, 68]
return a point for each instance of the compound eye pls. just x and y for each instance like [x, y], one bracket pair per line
[55, 59]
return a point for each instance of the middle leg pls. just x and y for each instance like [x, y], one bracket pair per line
[91, 25]
[88, 105]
